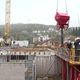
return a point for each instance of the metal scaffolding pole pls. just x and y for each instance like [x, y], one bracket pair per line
[62, 38]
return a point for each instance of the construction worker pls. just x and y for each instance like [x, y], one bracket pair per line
[66, 48]
[77, 48]
[69, 45]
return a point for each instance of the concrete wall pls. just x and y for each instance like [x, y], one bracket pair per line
[12, 71]
[45, 65]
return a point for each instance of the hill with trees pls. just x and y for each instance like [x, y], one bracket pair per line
[28, 31]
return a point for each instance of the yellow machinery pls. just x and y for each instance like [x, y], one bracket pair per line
[72, 57]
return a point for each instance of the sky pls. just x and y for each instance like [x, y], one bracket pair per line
[40, 11]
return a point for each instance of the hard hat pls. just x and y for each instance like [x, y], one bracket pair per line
[77, 38]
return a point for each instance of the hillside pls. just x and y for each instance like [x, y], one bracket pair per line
[27, 31]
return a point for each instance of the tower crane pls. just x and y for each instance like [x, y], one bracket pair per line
[7, 27]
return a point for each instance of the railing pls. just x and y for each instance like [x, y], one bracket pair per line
[69, 55]
[75, 56]
[16, 59]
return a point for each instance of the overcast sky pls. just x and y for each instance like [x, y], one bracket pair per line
[40, 11]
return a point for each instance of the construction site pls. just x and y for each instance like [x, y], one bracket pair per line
[55, 61]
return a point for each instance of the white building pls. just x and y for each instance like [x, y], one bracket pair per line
[24, 43]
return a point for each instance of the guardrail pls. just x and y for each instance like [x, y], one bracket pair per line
[69, 55]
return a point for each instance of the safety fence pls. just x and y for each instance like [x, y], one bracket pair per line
[70, 55]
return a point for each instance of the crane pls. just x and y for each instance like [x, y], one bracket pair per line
[7, 27]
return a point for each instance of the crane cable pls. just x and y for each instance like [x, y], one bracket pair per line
[65, 6]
